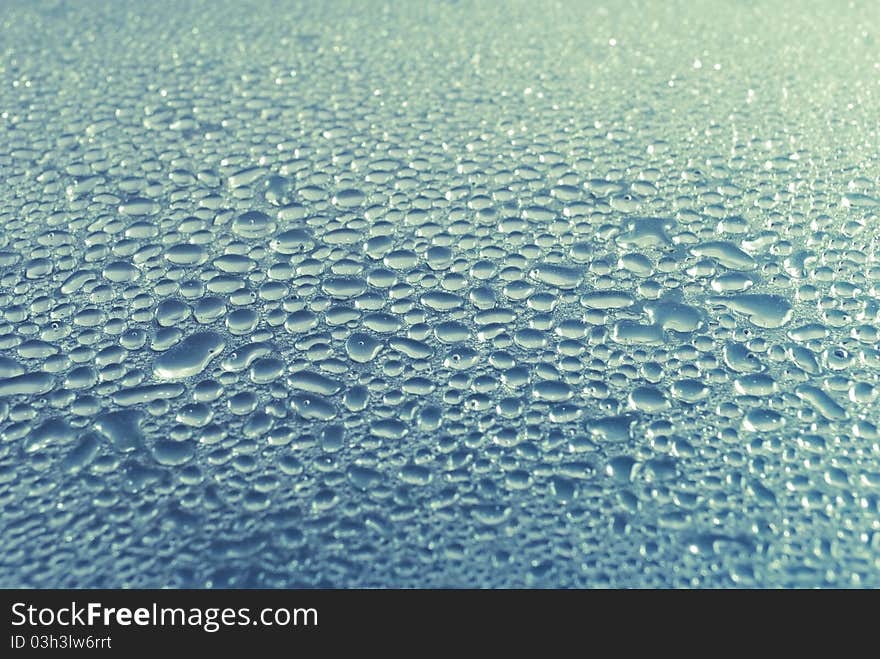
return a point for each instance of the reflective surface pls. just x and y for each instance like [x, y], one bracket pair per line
[355, 294]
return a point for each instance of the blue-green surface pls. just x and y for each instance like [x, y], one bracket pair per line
[447, 294]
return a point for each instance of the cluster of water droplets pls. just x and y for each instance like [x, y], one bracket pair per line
[308, 301]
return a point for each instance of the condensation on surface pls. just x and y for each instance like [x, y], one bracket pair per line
[353, 294]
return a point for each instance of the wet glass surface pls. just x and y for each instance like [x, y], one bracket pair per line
[363, 294]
